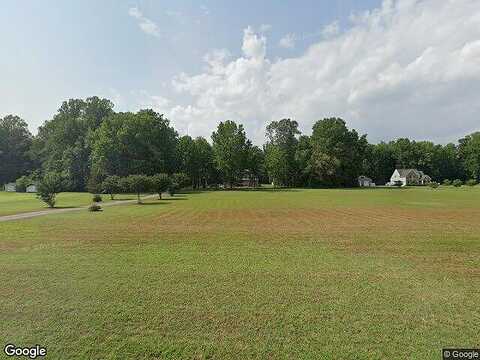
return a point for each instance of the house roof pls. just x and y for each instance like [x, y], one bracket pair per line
[363, 177]
[405, 172]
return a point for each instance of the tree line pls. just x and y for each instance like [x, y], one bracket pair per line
[86, 142]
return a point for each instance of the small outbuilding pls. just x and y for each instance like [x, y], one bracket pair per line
[10, 187]
[31, 188]
[364, 181]
[248, 179]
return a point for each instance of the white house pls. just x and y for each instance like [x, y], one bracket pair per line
[10, 187]
[406, 177]
[32, 188]
[364, 181]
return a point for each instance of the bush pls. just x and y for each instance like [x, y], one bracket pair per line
[94, 184]
[94, 207]
[447, 182]
[179, 181]
[434, 185]
[457, 183]
[138, 184]
[124, 185]
[160, 183]
[49, 186]
[112, 185]
[97, 198]
[471, 182]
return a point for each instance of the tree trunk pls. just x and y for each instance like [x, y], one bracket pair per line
[138, 199]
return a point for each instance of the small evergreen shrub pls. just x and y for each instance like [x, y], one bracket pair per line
[457, 183]
[434, 185]
[447, 182]
[471, 182]
[94, 207]
[97, 198]
[49, 186]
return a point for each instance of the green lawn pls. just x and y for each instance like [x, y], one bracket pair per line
[300, 274]
[16, 203]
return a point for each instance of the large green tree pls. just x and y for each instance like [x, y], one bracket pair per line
[63, 143]
[230, 150]
[15, 143]
[134, 143]
[337, 153]
[195, 157]
[282, 140]
[469, 152]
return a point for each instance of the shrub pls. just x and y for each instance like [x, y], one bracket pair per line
[160, 183]
[457, 183]
[471, 182]
[94, 207]
[49, 186]
[97, 198]
[112, 185]
[138, 184]
[447, 182]
[434, 185]
[179, 181]
[94, 183]
[124, 185]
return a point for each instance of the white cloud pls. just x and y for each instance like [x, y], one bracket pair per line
[253, 44]
[146, 25]
[287, 42]
[409, 68]
[265, 28]
[331, 29]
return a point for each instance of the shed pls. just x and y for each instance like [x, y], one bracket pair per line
[11, 187]
[364, 181]
[32, 188]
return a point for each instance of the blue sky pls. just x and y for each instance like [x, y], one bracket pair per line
[152, 53]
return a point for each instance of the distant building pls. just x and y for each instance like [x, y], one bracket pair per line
[404, 177]
[32, 188]
[364, 181]
[248, 179]
[11, 187]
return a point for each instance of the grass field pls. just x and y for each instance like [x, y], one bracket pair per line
[16, 203]
[300, 274]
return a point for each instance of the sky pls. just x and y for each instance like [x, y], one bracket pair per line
[390, 69]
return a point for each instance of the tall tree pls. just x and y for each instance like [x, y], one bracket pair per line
[337, 153]
[303, 155]
[469, 152]
[229, 150]
[63, 143]
[379, 162]
[255, 162]
[276, 164]
[15, 143]
[282, 140]
[195, 159]
[206, 163]
[134, 143]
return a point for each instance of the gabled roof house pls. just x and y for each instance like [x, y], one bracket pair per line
[406, 177]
